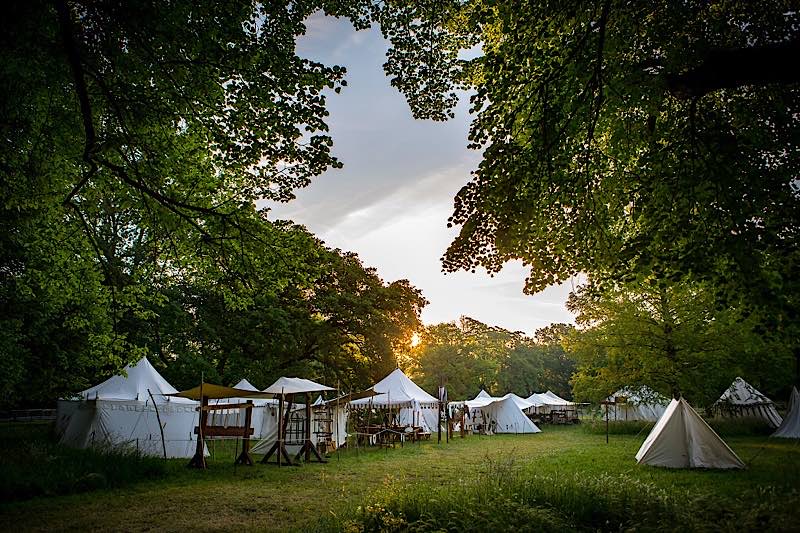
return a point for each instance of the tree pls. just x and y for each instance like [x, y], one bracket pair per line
[631, 141]
[671, 338]
[622, 149]
[136, 139]
[338, 322]
[469, 355]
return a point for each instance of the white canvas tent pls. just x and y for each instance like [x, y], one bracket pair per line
[120, 413]
[790, 427]
[416, 407]
[501, 415]
[269, 420]
[637, 404]
[682, 439]
[520, 402]
[742, 400]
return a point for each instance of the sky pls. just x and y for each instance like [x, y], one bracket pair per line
[391, 201]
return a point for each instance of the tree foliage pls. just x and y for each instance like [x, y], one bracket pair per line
[136, 139]
[671, 338]
[602, 154]
[468, 356]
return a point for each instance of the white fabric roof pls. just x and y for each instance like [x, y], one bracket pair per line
[245, 385]
[682, 439]
[743, 400]
[538, 399]
[790, 427]
[140, 377]
[503, 414]
[549, 398]
[295, 386]
[641, 403]
[397, 388]
[742, 393]
[483, 394]
[556, 399]
[522, 403]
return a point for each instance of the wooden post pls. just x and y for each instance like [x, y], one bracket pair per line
[244, 458]
[160, 427]
[439, 425]
[279, 447]
[308, 426]
[199, 459]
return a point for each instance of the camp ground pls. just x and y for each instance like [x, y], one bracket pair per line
[392, 428]
[373, 266]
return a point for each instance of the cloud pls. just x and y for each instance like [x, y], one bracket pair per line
[391, 201]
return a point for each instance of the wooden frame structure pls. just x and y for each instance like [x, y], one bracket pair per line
[203, 431]
[279, 447]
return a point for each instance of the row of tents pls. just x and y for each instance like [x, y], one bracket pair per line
[740, 400]
[142, 410]
[682, 439]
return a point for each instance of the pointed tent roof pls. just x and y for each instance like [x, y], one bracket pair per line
[507, 415]
[522, 403]
[556, 399]
[295, 386]
[538, 399]
[790, 427]
[134, 385]
[245, 385]
[483, 394]
[682, 439]
[742, 393]
[398, 381]
[397, 388]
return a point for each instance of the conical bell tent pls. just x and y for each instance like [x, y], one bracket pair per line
[790, 427]
[682, 439]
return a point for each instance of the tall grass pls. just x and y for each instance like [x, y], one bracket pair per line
[33, 464]
[618, 427]
[509, 497]
[725, 427]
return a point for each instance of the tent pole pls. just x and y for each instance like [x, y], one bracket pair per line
[160, 427]
[336, 423]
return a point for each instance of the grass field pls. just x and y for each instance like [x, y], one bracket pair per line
[562, 479]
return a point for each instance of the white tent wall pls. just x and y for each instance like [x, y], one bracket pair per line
[120, 413]
[641, 404]
[505, 416]
[415, 406]
[682, 439]
[501, 415]
[132, 426]
[742, 400]
[633, 413]
[340, 415]
[790, 427]
[269, 426]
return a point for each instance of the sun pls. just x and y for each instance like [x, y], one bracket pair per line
[416, 340]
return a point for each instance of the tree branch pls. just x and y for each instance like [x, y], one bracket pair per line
[67, 31]
[738, 67]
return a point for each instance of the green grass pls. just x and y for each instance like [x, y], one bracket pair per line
[31, 464]
[565, 478]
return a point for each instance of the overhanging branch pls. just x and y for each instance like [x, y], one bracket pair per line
[739, 67]
[67, 37]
